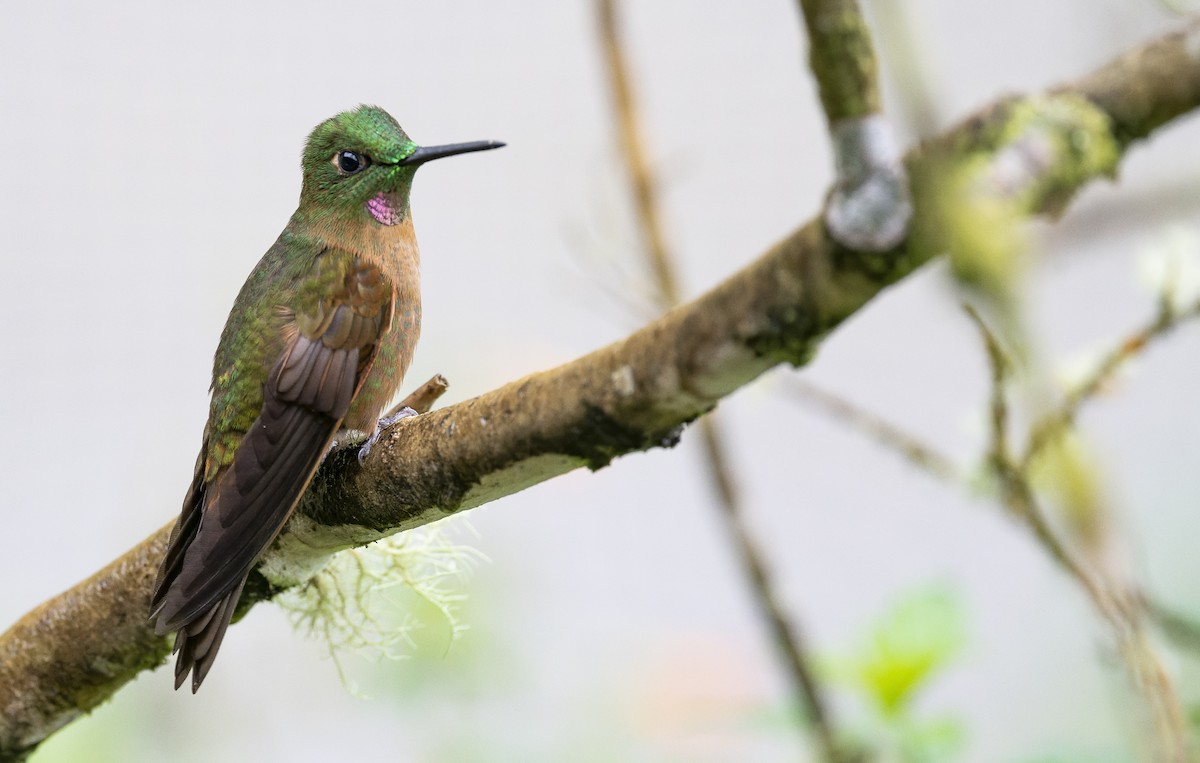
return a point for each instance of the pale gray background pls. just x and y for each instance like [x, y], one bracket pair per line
[152, 157]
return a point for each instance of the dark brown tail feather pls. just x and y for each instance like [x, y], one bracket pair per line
[197, 643]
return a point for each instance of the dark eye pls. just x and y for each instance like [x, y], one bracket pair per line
[348, 162]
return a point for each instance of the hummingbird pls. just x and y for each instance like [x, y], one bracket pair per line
[317, 342]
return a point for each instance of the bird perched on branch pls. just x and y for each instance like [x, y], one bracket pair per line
[318, 341]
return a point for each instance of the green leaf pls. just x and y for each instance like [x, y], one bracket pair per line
[909, 645]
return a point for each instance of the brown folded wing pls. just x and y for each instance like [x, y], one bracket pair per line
[229, 520]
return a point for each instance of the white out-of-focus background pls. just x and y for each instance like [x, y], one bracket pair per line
[152, 156]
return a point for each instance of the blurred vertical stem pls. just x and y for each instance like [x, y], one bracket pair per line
[1117, 600]
[842, 58]
[642, 182]
[909, 68]
[870, 205]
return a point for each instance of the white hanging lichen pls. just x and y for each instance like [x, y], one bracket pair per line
[351, 605]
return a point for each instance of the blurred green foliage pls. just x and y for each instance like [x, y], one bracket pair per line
[901, 654]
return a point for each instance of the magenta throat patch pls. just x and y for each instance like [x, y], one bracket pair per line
[385, 208]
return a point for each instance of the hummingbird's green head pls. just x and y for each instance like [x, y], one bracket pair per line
[361, 162]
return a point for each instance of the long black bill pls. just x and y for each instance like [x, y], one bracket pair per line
[429, 153]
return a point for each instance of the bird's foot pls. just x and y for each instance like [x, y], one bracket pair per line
[381, 425]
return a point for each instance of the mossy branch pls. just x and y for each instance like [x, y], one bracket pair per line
[869, 206]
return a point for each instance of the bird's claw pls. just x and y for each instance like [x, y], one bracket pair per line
[381, 425]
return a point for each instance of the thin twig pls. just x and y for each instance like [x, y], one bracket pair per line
[783, 630]
[1015, 491]
[786, 634]
[640, 175]
[1119, 603]
[422, 398]
[879, 429]
[1053, 425]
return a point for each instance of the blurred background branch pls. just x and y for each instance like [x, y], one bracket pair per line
[1120, 602]
[869, 206]
[1115, 599]
[785, 632]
